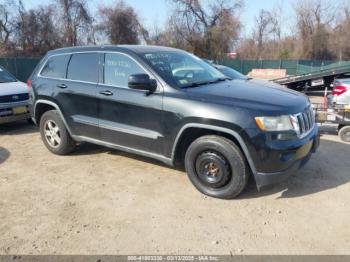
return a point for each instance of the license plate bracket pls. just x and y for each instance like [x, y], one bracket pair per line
[19, 110]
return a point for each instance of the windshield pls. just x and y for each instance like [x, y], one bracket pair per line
[6, 77]
[231, 73]
[182, 69]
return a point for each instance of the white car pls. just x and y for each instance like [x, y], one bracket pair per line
[14, 98]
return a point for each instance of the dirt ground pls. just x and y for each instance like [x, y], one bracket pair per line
[102, 201]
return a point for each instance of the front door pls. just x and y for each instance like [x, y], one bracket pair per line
[128, 117]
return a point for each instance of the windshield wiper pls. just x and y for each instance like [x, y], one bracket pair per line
[220, 79]
[195, 84]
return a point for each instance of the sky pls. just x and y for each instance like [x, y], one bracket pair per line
[153, 12]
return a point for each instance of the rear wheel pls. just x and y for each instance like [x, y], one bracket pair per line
[54, 134]
[344, 134]
[216, 167]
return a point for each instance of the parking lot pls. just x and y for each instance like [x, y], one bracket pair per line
[102, 201]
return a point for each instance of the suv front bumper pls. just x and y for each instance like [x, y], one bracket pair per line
[300, 156]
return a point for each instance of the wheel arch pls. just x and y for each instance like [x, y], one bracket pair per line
[182, 141]
[42, 105]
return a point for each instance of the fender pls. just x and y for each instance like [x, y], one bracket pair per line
[220, 129]
[48, 102]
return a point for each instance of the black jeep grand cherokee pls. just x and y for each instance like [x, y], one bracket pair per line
[169, 105]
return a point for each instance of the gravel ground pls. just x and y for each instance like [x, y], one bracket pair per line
[102, 201]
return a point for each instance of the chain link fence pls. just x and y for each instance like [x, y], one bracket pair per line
[21, 68]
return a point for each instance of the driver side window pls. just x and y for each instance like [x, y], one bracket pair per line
[118, 68]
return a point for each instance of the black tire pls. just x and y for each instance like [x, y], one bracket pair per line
[216, 167]
[344, 134]
[66, 144]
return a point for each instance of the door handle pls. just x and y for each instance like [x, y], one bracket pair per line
[106, 93]
[62, 86]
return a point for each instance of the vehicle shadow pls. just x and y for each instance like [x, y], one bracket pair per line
[327, 169]
[143, 159]
[17, 128]
[89, 149]
[4, 155]
[84, 149]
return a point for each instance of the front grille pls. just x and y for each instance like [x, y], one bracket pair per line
[306, 121]
[14, 98]
[6, 112]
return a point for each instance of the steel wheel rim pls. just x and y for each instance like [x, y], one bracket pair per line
[52, 133]
[213, 169]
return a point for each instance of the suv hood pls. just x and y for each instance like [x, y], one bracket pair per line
[252, 94]
[13, 88]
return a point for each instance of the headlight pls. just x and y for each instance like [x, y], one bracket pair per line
[276, 123]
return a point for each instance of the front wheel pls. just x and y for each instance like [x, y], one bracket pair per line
[216, 167]
[344, 134]
[54, 134]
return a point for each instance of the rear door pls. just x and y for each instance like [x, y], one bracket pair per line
[76, 95]
[52, 74]
[129, 117]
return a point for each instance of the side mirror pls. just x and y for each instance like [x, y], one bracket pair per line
[142, 82]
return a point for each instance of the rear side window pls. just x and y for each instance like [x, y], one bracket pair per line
[84, 67]
[56, 67]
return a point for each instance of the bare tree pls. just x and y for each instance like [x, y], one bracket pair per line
[319, 33]
[264, 24]
[314, 23]
[121, 24]
[208, 30]
[277, 21]
[76, 20]
[7, 9]
[35, 31]
[4, 24]
[341, 37]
